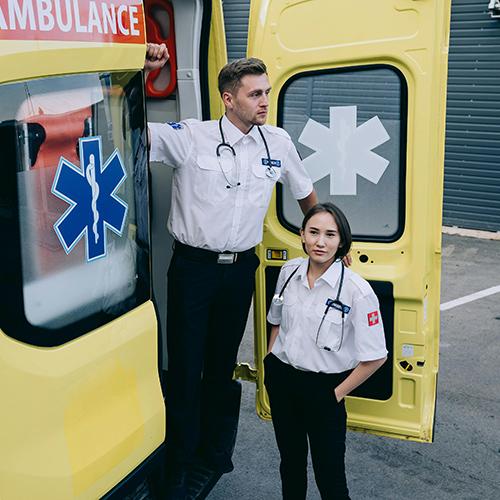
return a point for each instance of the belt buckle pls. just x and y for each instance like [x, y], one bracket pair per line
[226, 258]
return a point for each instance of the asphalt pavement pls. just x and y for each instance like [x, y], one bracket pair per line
[464, 460]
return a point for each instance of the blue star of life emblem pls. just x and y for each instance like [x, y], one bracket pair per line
[175, 125]
[90, 191]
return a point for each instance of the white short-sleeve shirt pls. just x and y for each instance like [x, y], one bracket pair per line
[204, 212]
[301, 341]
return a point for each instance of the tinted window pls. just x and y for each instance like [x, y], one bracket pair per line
[349, 126]
[74, 206]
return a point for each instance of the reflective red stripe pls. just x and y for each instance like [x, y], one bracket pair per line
[71, 20]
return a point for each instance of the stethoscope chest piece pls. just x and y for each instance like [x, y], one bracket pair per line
[276, 305]
[277, 299]
[270, 172]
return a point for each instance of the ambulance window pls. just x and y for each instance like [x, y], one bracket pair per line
[349, 126]
[75, 204]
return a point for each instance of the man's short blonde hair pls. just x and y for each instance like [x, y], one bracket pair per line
[231, 74]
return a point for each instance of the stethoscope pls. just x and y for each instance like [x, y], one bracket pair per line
[335, 304]
[278, 298]
[270, 170]
[277, 302]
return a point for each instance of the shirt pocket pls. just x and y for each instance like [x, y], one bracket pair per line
[261, 184]
[210, 178]
[289, 311]
[330, 328]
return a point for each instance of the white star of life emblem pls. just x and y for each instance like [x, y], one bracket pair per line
[344, 150]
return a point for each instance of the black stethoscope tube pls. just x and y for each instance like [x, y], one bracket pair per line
[331, 304]
[224, 144]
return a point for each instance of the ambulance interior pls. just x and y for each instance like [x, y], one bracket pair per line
[184, 102]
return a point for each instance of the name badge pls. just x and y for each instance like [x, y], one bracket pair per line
[336, 304]
[272, 163]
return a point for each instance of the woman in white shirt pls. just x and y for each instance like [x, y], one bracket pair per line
[327, 338]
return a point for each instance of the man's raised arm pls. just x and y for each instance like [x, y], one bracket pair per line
[156, 57]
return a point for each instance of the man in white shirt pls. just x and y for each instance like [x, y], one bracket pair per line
[224, 174]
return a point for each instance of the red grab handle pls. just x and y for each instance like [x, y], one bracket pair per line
[161, 82]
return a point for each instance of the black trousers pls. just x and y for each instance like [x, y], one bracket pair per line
[304, 408]
[207, 310]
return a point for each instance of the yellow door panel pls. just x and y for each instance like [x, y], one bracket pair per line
[78, 418]
[217, 57]
[360, 87]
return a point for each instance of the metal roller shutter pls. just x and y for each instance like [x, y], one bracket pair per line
[472, 164]
[236, 24]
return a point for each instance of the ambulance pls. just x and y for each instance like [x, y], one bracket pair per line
[359, 86]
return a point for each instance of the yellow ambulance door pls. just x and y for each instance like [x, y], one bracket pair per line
[81, 402]
[217, 58]
[360, 87]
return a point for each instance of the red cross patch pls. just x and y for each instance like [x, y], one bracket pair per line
[373, 318]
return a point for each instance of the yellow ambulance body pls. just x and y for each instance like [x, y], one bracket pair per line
[81, 399]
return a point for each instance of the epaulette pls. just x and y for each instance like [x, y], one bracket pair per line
[271, 129]
[362, 285]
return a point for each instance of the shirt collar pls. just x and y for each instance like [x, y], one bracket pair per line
[254, 132]
[331, 275]
[233, 134]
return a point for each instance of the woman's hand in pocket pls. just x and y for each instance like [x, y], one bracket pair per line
[337, 395]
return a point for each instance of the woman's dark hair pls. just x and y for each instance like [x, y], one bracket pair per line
[340, 220]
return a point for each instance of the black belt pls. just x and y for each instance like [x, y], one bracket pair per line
[203, 255]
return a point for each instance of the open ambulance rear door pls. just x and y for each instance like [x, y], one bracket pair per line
[360, 87]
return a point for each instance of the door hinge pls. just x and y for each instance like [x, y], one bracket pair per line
[244, 371]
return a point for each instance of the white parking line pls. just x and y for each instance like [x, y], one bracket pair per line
[470, 298]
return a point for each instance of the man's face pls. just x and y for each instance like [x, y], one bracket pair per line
[250, 104]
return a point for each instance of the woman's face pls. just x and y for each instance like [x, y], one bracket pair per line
[321, 238]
